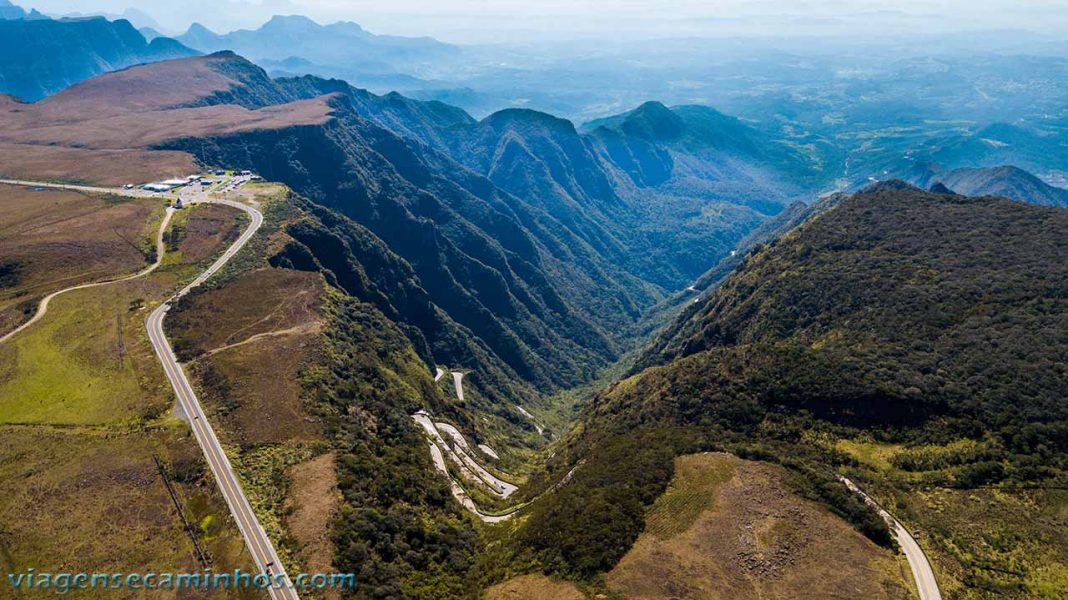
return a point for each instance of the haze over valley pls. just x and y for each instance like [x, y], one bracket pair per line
[765, 305]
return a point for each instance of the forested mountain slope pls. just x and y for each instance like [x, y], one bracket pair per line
[39, 57]
[517, 226]
[926, 326]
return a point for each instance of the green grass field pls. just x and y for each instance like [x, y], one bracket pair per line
[84, 406]
[86, 362]
[982, 542]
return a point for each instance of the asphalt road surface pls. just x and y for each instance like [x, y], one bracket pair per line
[458, 381]
[438, 450]
[259, 545]
[921, 567]
[256, 539]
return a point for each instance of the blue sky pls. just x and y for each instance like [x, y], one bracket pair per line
[500, 20]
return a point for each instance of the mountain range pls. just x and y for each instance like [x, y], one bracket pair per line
[686, 264]
[1006, 181]
[533, 248]
[898, 318]
[342, 49]
[41, 56]
[12, 12]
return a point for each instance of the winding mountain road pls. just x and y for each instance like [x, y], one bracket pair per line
[922, 572]
[439, 449]
[458, 381]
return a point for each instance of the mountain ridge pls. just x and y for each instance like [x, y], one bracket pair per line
[43, 56]
[1006, 181]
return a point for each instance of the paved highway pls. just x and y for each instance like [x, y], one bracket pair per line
[132, 193]
[921, 567]
[458, 381]
[259, 544]
[496, 485]
[263, 552]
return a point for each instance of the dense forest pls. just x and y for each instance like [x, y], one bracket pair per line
[912, 317]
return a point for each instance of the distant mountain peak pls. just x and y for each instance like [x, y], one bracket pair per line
[67, 51]
[290, 24]
[653, 120]
[198, 29]
[9, 11]
[889, 185]
[940, 188]
[651, 106]
[348, 27]
[527, 116]
[1008, 181]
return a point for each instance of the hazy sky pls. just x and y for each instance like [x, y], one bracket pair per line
[502, 20]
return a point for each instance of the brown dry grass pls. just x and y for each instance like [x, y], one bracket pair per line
[312, 504]
[258, 302]
[534, 587]
[145, 129]
[263, 405]
[261, 331]
[209, 227]
[76, 500]
[754, 539]
[99, 167]
[131, 110]
[156, 86]
[85, 405]
[61, 238]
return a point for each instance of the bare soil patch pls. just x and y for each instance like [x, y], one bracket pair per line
[754, 539]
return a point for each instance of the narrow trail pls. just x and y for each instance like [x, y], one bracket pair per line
[42, 308]
[295, 330]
